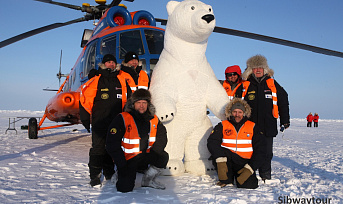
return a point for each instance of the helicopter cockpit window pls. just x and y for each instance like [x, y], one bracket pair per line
[90, 59]
[131, 41]
[108, 46]
[155, 39]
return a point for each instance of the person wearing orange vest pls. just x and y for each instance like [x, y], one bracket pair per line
[268, 101]
[233, 84]
[309, 119]
[102, 98]
[133, 66]
[237, 147]
[136, 138]
[315, 120]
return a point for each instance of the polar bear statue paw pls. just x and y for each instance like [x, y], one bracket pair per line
[167, 117]
[200, 167]
[173, 168]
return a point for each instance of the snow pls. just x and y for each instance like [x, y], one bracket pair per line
[307, 168]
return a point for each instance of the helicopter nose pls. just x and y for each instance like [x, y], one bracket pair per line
[208, 18]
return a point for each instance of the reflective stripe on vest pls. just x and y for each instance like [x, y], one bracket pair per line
[245, 85]
[131, 141]
[271, 85]
[230, 93]
[143, 80]
[129, 80]
[241, 142]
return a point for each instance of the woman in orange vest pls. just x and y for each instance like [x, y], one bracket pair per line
[237, 147]
[136, 139]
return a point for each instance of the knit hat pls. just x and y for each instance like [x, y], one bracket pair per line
[234, 68]
[109, 57]
[237, 106]
[141, 94]
[130, 56]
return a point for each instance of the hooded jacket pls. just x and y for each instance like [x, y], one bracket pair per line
[259, 97]
[215, 140]
[117, 130]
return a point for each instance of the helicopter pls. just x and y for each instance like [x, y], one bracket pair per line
[63, 107]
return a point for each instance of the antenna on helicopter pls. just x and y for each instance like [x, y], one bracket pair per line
[59, 74]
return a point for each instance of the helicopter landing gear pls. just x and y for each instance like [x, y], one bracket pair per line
[33, 128]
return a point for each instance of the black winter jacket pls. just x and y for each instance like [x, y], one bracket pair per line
[258, 142]
[114, 138]
[261, 103]
[105, 108]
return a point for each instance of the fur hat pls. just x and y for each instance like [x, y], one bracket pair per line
[130, 56]
[240, 104]
[140, 94]
[255, 62]
[109, 57]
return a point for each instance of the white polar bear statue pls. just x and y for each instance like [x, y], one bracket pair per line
[183, 86]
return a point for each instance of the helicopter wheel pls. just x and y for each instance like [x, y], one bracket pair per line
[33, 128]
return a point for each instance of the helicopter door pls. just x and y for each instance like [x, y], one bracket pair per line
[89, 59]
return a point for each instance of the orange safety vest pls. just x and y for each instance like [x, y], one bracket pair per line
[143, 80]
[241, 142]
[129, 80]
[90, 88]
[271, 86]
[227, 87]
[131, 140]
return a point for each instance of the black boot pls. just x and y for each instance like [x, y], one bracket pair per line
[95, 168]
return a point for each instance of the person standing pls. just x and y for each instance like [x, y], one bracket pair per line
[315, 120]
[137, 138]
[101, 99]
[237, 147]
[268, 101]
[233, 84]
[133, 66]
[309, 119]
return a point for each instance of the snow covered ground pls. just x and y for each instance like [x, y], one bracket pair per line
[307, 168]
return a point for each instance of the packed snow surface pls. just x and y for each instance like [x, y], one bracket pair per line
[306, 168]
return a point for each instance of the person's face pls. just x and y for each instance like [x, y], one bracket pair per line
[141, 106]
[110, 65]
[233, 77]
[258, 72]
[238, 114]
[133, 63]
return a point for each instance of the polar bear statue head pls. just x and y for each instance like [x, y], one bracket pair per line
[193, 19]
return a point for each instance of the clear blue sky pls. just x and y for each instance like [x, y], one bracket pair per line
[313, 81]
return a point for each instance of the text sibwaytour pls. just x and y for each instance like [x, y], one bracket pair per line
[313, 200]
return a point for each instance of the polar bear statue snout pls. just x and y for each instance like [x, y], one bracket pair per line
[208, 18]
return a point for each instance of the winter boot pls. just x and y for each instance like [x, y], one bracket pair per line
[149, 178]
[95, 181]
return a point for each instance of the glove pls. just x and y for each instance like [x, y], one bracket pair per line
[222, 168]
[284, 126]
[244, 174]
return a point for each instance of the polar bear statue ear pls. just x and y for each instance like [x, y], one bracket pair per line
[171, 6]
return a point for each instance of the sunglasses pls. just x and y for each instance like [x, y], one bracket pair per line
[231, 74]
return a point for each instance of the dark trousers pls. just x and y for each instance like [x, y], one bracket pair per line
[234, 164]
[127, 174]
[99, 159]
[309, 124]
[315, 124]
[266, 168]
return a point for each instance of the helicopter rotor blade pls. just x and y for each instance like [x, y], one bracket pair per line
[61, 4]
[278, 41]
[39, 30]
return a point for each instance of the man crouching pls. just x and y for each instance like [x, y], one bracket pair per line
[136, 139]
[237, 147]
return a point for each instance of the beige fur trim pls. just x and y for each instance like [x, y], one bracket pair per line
[247, 166]
[254, 62]
[228, 112]
[221, 159]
